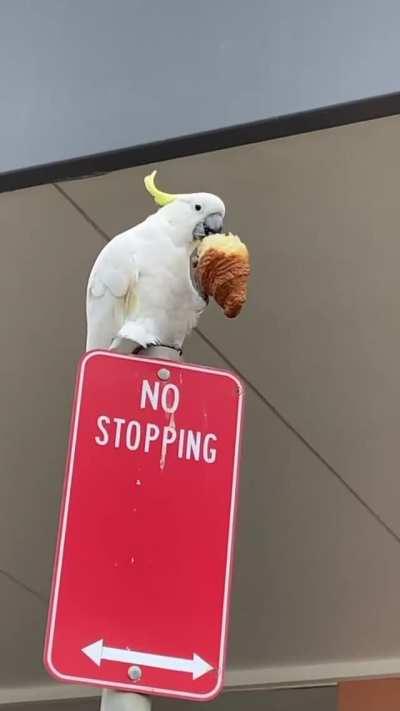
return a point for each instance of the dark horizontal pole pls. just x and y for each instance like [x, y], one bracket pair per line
[218, 139]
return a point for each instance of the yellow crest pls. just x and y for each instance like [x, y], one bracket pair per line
[159, 197]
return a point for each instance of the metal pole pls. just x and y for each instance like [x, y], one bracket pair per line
[120, 701]
[117, 700]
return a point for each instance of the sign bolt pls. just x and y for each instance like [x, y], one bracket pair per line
[163, 373]
[135, 673]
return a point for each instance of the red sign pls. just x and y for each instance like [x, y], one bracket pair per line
[142, 573]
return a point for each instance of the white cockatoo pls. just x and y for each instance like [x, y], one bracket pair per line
[140, 287]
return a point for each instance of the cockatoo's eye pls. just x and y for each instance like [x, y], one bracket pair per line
[197, 207]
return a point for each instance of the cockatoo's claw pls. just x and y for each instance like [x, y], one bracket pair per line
[124, 346]
[138, 333]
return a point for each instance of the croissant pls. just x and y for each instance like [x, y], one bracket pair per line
[223, 270]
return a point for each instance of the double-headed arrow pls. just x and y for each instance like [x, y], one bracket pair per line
[97, 651]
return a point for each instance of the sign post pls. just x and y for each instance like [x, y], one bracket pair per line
[117, 701]
[141, 584]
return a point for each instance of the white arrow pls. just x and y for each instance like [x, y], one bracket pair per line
[195, 666]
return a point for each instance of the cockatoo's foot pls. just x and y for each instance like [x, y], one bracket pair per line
[137, 333]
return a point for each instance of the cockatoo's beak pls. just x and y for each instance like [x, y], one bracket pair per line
[211, 225]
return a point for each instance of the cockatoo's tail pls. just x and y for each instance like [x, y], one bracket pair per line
[223, 270]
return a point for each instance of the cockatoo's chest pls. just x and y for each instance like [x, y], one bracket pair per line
[165, 285]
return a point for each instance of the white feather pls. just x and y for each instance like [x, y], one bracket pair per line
[140, 286]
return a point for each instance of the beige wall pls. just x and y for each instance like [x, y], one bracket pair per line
[317, 576]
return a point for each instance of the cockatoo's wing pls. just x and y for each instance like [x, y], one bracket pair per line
[108, 295]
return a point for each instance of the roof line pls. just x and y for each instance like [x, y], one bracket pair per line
[208, 141]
